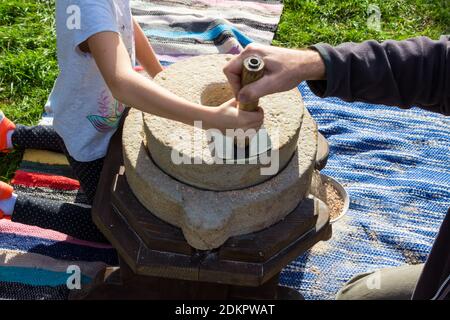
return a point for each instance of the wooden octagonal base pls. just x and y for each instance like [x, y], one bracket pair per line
[156, 262]
[113, 284]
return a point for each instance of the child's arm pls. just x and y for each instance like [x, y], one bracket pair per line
[144, 52]
[132, 89]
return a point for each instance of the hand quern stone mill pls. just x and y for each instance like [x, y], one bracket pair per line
[187, 226]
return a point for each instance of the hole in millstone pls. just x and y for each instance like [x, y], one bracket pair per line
[216, 94]
[246, 152]
[226, 148]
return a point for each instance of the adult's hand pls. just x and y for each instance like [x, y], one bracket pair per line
[284, 70]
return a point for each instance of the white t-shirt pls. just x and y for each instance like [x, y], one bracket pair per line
[86, 114]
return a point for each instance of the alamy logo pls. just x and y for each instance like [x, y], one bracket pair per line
[374, 17]
[236, 146]
[373, 281]
[74, 280]
[73, 21]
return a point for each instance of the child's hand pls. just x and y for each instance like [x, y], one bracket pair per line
[228, 116]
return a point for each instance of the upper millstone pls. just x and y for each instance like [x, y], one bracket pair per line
[188, 153]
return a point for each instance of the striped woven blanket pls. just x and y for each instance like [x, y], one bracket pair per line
[179, 29]
[395, 166]
[36, 263]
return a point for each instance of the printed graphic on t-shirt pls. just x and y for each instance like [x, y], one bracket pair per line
[110, 111]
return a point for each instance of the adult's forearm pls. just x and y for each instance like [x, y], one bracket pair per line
[399, 73]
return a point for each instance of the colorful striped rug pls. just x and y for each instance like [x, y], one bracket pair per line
[179, 29]
[36, 263]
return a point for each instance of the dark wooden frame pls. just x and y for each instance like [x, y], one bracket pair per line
[156, 262]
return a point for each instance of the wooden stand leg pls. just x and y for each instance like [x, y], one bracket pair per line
[116, 284]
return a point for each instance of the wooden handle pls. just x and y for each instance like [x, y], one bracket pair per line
[253, 70]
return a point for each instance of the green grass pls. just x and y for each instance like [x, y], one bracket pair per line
[28, 65]
[305, 22]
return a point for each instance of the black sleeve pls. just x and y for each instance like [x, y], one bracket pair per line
[414, 72]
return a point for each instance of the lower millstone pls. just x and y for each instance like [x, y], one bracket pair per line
[209, 218]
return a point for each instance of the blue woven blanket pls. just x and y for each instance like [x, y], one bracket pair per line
[395, 165]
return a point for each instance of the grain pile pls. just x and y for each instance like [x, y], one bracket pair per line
[334, 200]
